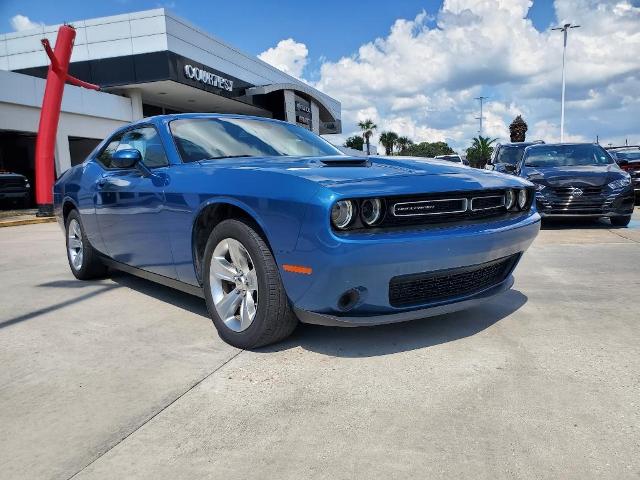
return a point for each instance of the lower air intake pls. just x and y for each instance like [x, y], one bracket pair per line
[442, 285]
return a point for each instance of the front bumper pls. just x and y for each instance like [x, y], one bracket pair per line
[14, 195]
[606, 204]
[333, 320]
[368, 262]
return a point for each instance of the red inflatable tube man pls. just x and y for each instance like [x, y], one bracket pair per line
[50, 115]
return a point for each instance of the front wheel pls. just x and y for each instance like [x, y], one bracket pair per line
[620, 221]
[244, 293]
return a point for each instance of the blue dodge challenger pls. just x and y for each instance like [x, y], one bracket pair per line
[273, 225]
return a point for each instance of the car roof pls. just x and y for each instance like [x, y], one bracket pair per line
[564, 144]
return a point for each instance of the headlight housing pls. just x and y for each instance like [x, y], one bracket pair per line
[522, 198]
[342, 213]
[620, 183]
[509, 199]
[371, 211]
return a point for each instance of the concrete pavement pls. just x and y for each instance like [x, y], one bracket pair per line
[121, 378]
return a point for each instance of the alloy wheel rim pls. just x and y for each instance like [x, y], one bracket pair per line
[234, 284]
[74, 244]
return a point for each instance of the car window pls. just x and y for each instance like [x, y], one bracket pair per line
[627, 155]
[510, 154]
[566, 155]
[147, 141]
[104, 157]
[210, 138]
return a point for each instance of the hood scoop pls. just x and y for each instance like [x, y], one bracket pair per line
[340, 162]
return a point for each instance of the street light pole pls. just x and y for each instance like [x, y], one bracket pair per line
[482, 99]
[564, 29]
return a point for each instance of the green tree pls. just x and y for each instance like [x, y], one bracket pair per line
[480, 151]
[402, 143]
[367, 126]
[356, 142]
[518, 129]
[428, 149]
[388, 141]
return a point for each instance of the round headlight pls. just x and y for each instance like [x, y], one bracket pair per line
[371, 210]
[522, 199]
[342, 213]
[509, 199]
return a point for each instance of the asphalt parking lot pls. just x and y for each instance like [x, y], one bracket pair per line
[125, 379]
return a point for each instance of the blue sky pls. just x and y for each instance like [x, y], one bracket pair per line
[330, 29]
[415, 67]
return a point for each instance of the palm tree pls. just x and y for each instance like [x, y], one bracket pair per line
[480, 151]
[518, 129]
[402, 143]
[367, 126]
[388, 140]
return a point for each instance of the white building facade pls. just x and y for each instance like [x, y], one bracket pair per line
[146, 63]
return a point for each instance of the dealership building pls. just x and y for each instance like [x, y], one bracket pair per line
[146, 63]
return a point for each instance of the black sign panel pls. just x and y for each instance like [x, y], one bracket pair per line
[200, 76]
[151, 67]
[303, 112]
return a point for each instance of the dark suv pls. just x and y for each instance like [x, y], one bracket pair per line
[506, 156]
[15, 189]
[578, 179]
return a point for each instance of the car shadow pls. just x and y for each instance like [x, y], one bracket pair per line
[400, 337]
[350, 342]
[182, 300]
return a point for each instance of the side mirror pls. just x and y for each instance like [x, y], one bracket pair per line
[126, 158]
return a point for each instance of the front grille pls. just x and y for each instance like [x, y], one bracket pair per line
[444, 208]
[574, 199]
[569, 191]
[429, 207]
[12, 184]
[442, 285]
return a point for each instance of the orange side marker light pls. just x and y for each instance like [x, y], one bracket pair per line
[297, 269]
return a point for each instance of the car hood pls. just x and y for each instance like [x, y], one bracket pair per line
[368, 175]
[589, 175]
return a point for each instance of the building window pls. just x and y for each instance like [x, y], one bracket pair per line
[80, 148]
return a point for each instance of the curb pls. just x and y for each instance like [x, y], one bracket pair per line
[26, 221]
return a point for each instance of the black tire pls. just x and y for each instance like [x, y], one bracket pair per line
[620, 221]
[90, 267]
[274, 319]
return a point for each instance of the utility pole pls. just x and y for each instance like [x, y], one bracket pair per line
[564, 29]
[482, 99]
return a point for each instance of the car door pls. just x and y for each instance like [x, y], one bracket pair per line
[130, 206]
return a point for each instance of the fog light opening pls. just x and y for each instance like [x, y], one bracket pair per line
[348, 300]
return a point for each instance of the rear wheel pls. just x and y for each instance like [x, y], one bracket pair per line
[83, 259]
[620, 221]
[245, 296]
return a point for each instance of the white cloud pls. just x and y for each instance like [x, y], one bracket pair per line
[22, 22]
[422, 80]
[288, 55]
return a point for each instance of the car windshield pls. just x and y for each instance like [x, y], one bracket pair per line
[210, 138]
[510, 154]
[628, 155]
[566, 156]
